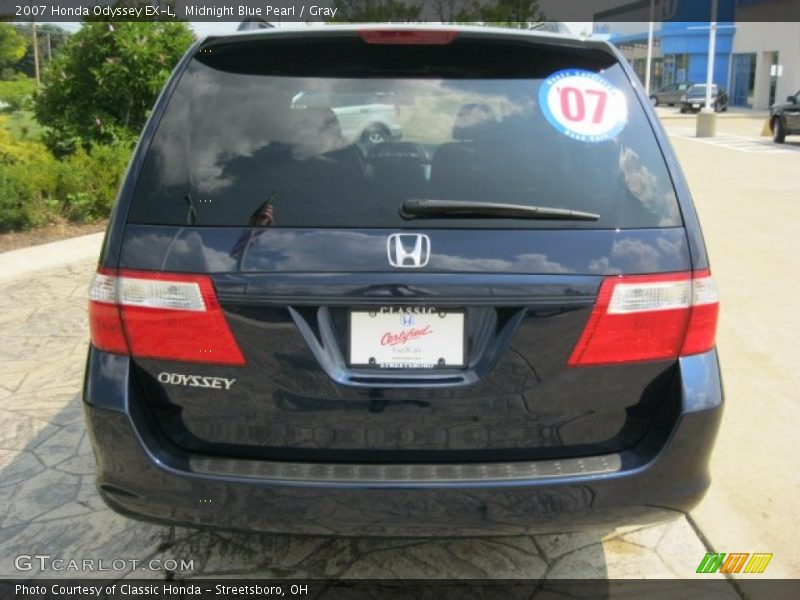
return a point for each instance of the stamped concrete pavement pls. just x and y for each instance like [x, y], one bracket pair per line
[48, 504]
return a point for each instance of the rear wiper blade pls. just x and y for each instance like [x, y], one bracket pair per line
[416, 208]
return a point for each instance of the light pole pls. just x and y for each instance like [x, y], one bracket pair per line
[712, 46]
[649, 48]
[35, 41]
[706, 119]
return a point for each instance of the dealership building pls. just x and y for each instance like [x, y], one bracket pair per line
[757, 51]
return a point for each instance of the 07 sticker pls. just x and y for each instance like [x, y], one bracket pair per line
[583, 105]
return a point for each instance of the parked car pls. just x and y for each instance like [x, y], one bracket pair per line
[695, 98]
[670, 94]
[784, 118]
[504, 323]
[365, 115]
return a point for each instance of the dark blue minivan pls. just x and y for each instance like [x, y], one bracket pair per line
[499, 320]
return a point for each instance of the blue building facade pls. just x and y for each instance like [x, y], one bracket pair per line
[681, 39]
[684, 50]
[757, 50]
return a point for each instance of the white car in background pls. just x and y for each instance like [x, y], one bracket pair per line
[367, 117]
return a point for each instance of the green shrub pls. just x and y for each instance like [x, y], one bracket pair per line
[27, 193]
[18, 93]
[88, 181]
[80, 206]
[28, 180]
[35, 187]
[17, 212]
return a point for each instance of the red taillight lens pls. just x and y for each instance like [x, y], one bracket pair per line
[105, 326]
[169, 316]
[407, 36]
[649, 317]
[702, 329]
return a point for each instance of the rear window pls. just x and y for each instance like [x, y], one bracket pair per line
[339, 133]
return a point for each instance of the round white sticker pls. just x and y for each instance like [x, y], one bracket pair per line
[583, 105]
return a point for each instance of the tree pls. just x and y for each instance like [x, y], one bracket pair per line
[519, 14]
[446, 10]
[511, 13]
[370, 11]
[12, 45]
[102, 85]
[57, 36]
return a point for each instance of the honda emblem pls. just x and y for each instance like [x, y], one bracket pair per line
[408, 250]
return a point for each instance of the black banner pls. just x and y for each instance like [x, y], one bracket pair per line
[523, 12]
[472, 589]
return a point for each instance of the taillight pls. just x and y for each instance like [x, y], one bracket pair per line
[649, 317]
[169, 316]
[408, 36]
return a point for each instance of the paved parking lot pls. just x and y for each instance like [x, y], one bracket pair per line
[741, 143]
[749, 207]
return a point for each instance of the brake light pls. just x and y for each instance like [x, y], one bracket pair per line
[408, 36]
[649, 317]
[168, 316]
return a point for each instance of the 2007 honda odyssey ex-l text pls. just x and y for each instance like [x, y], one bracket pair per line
[500, 322]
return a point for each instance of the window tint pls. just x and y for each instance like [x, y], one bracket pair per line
[235, 136]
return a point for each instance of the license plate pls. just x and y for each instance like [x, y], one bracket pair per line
[407, 338]
[695, 106]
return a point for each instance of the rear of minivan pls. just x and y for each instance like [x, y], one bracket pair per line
[501, 322]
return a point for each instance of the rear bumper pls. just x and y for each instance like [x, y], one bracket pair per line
[141, 476]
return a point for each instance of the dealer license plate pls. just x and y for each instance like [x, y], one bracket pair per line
[407, 338]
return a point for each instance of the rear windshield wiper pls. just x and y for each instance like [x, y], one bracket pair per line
[416, 208]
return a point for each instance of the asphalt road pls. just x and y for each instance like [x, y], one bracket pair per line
[748, 206]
